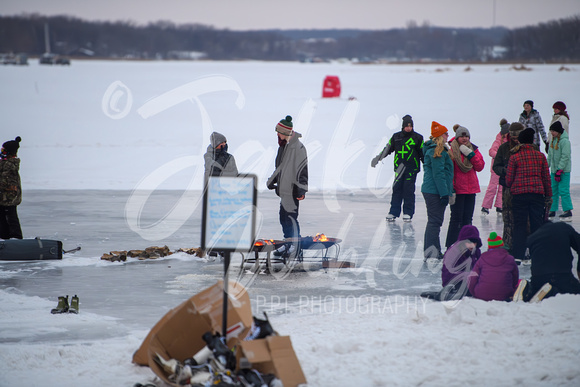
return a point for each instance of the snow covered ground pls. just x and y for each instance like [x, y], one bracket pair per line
[104, 140]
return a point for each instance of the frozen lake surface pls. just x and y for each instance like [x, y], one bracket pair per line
[109, 148]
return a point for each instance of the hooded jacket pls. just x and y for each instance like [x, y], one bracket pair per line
[458, 259]
[218, 162]
[495, 276]
[437, 171]
[290, 179]
[560, 158]
[10, 187]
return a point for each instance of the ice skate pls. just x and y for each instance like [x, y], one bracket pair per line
[566, 216]
[62, 306]
[280, 251]
[407, 218]
[540, 294]
[484, 211]
[519, 293]
[391, 218]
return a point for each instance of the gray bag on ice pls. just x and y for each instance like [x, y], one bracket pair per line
[30, 249]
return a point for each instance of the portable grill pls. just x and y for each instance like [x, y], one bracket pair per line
[261, 253]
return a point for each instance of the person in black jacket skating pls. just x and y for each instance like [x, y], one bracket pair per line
[408, 148]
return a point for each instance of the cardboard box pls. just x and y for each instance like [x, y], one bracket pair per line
[178, 335]
[272, 355]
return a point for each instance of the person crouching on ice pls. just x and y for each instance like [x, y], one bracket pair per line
[408, 148]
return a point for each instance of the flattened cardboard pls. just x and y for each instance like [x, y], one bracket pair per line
[197, 315]
[274, 354]
[178, 335]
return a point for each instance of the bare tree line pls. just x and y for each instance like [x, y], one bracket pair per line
[557, 40]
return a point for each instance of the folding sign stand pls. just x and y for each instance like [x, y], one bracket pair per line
[228, 221]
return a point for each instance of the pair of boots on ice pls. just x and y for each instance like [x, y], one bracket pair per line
[64, 307]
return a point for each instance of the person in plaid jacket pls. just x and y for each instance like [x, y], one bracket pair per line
[528, 177]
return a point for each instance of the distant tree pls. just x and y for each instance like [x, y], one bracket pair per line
[557, 40]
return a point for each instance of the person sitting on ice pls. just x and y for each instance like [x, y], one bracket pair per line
[460, 258]
[550, 250]
[495, 275]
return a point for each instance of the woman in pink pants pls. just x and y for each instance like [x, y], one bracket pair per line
[494, 188]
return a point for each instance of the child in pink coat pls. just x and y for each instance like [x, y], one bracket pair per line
[494, 189]
[495, 275]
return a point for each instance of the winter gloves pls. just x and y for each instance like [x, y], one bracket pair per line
[445, 200]
[558, 176]
[467, 152]
[375, 161]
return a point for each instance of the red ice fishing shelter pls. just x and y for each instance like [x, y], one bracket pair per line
[331, 87]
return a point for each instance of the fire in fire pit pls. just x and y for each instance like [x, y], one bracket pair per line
[320, 238]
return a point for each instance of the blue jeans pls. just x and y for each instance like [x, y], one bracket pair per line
[435, 216]
[289, 221]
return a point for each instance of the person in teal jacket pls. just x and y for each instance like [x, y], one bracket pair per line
[437, 187]
[560, 163]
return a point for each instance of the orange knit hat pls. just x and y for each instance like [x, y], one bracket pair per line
[437, 129]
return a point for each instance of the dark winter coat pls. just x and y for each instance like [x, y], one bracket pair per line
[10, 187]
[458, 260]
[290, 179]
[534, 121]
[550, 249]
[219, 163]
[408, 149]
[495, 276]
[500, 162]
[437, 171]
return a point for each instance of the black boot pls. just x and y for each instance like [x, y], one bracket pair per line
[62, 306]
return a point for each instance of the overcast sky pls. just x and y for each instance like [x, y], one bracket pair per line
[306, 14]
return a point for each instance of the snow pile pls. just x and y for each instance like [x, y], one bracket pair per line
[395, 341]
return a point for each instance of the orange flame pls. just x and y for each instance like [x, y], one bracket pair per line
[264, 242]
[320, 238]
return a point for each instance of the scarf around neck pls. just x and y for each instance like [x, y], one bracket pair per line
[464, 165]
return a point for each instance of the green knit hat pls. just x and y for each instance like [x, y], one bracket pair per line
[285, 126]
[494, 241]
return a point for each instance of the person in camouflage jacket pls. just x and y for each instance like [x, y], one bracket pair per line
[408, 148]
[530, 118]
[10, 190]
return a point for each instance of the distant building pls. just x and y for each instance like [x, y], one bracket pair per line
[186, 55]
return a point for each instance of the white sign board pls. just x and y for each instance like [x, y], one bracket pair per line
[228, 221]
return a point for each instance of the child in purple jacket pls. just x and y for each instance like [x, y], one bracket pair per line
[460, 258]
[495, 274]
